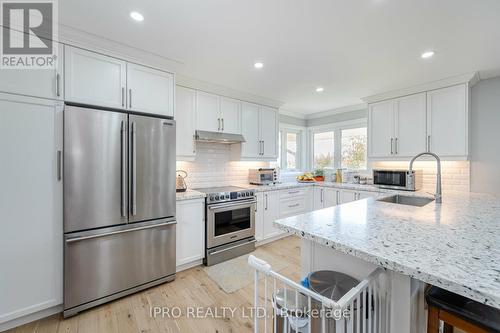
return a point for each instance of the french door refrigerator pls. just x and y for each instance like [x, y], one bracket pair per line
[119, 205]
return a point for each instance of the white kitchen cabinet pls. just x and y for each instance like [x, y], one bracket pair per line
[94, 79]
[31, 200]
[381, 129]
[271, 214]
[259, 127]
[190, 231]
[230, 114]
[294, 201]
[45, 83]
[318, 193]
[207, 112]
[250, 122]
[150, 90]
[185, 117]
[269, 132]
[410, 125]
[365, 195]
[330, 197]
[215, 113]
[447, 121]
[259, 217]
[346, 196]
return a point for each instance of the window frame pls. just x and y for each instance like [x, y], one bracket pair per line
[301, 147]
[336, 128]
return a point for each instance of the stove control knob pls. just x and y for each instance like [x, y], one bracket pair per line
[212, 198]
[216, 197]
[227, 196]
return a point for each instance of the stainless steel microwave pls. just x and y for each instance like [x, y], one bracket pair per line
[263, 176]
[398, 179]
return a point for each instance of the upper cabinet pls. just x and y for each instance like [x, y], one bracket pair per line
[44, 83]
[96, 79]
[435, 121]
[259, 127]
[215, 113]
[150, 90]
[185, 117]
[447, 121]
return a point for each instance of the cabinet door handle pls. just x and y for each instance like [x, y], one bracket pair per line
[59, 165]
[321, 197]
[266, 203]
[58, 85]
[396, 146]
[218, 124]
[392, 140]
[428, 143]
[263, 147]
[222, 124]
[194, 145]
[338, 197]
[130, 98]
[123, 96]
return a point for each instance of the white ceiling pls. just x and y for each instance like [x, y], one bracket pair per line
[353, 48]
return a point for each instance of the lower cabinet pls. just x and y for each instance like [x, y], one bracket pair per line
[190, 242]
[325, 197]
[31, 205]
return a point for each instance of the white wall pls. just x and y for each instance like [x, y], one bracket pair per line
[485, 136]
[213, 167]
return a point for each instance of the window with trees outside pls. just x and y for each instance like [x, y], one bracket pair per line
[324, 150]
[290, 149]
[339, 146]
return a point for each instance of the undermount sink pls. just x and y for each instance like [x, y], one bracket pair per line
[407, 200]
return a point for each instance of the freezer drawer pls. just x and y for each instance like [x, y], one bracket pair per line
[100, 265]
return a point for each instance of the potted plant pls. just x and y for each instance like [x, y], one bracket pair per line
[319, 175]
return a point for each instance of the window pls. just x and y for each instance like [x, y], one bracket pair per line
[323, 150]
[354, 148]
[290, 149]
[339, 145]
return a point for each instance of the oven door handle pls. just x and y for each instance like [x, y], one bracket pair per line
[233, 204]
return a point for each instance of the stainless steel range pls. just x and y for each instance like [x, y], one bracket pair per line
[230, 223]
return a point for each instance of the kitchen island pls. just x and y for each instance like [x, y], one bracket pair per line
[454, 245]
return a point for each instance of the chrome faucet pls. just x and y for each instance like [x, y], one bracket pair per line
[438, 196]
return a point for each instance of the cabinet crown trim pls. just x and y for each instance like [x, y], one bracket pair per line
[469, 78]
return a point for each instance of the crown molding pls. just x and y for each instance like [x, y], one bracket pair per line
[188, 82]
[293, 114]
[469, 78]
[343, 109]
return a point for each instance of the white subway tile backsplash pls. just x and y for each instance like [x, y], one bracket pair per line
[213, 167]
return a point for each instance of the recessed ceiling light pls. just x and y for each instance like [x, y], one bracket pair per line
[320, 89]
[137, 16]
[258, 65]
[427, 54]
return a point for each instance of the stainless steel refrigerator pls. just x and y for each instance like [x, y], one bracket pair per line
[119, 205]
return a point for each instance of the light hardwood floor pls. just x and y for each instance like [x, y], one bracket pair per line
[192, 287]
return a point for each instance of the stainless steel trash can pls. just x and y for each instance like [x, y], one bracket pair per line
[290, 313]
[332, 285]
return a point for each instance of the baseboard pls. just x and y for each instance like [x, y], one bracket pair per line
[189, 265]
[272, 239]
[31, 317]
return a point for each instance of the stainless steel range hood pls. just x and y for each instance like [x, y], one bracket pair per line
[206, 136]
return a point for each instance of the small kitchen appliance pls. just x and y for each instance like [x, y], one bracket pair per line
[398, 179]
[180, 182]
[263, 176]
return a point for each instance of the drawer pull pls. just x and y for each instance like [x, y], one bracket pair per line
[293, 192]
[294, 205]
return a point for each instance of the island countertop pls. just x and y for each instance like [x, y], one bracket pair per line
[454, 245]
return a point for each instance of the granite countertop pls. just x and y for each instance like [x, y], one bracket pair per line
[454, 245]
[188, 195]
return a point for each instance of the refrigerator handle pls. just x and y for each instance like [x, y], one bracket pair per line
[134, 170]
[124, 170]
